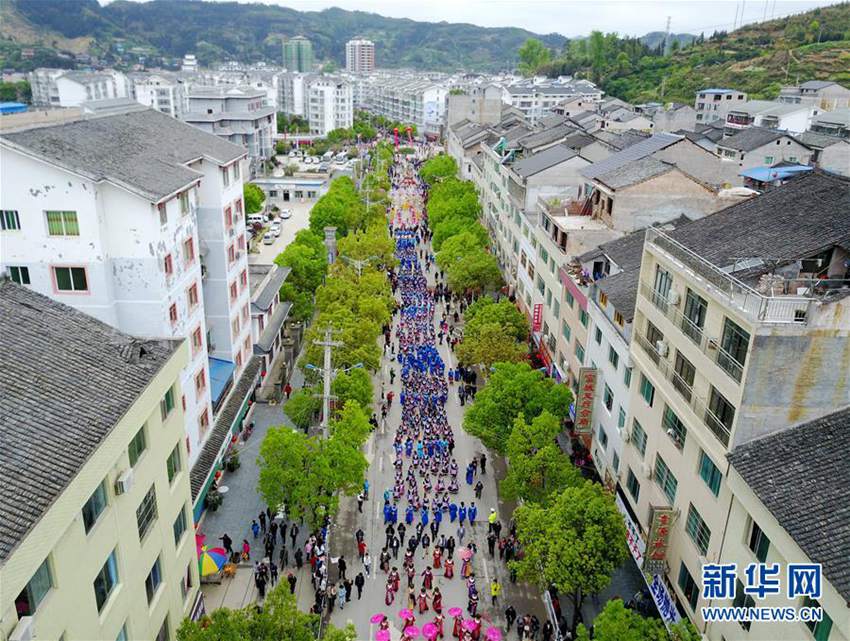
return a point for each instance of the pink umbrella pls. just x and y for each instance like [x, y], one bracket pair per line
[378, 617]
[411, 632]
[429, 630]
[493, 634]
[405, 613]
[455, 612]
[465, 554]
[469, 625]
[382, 635]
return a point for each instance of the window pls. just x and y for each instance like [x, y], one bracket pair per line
[566, 331]
[70, 279]
[197, 340]
[569, 299]
[688, 586]
[582, 317]
[94, 507]
[163, 214]
[245, 313]
[172, 463]
[721, 415]
[172, 314]
[632, 485]
[697, 529]
[146, 513]
[683, 380]
[735, 343]
[616, 462]
[768, 160]
[62, 223]
[137, 446]
[742, 600]
[234, 327]
[647, 390]
[9, 220]
[820, 629]
[597, 336]
[122, 634]
[638, 437]
[243, 279]
[709, 473]
[235, 170]
[663, 281]
[608, 398]
[200, 382]
[759, 543]
[105, 580]
[166, 404]
[674, 427]
[613, 356]
[694, 316]
[189, 250]
[203, 424]
[33, 594]
[169, 265]
[225, 176]
[579, 351]
[602, 436]
[618, 318]
[186, 582]
[627, 377]
[665, 480]
[153, 581]
[228, 217]
[234, 292]
[231, 254]
[556, 308]
[192, 295]
[179, 526]
[20, 275]
[621, 419]
[603, 299]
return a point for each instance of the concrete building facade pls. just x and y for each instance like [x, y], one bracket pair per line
[360, 56]
[298, 54]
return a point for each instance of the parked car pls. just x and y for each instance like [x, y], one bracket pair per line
[256, 218]
[275, 228]
[324, 166]
[286, 214]
[268, 238]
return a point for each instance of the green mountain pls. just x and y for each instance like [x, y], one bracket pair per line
[654, 39]
[214, 31]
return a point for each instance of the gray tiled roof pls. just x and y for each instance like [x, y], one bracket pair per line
[272, 329]
[799, 219]
[539, 138]
[634, 172]
[751, 138]
[802, 476]
[637, 151]
[817, 84]
[144, 151]
[543, 160]
[269, 287]
[66, 380]
[816, 140]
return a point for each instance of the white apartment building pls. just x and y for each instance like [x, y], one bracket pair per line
[788, 117]
[61, 88]
[729, 345]
[161, 92]
[329, 104]
[360, 56]
[96, 537]
[408, 99]
[136, 219]
[237, 114]
[537, 98]
[292, 92]
[714, 104]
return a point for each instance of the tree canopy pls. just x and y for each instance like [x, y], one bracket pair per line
[307, 260]
[533, 55]
[254, 198]
[439, 167]
[513, 389]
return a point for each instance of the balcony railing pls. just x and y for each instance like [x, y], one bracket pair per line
[766, 308]
[697, 405]
[709, 347]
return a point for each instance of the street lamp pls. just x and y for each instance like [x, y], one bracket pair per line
[359, 264]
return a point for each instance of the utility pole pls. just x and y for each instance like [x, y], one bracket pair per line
[667, 37]
[327, 372]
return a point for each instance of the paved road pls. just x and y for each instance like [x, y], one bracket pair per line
[380, 455]
[300, 220]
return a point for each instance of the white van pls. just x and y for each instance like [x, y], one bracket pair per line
[255, 218]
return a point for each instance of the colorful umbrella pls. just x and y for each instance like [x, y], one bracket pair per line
[377, 617]
[382, 635]
[469, 625]
[211, 560]
[493, 634]
[405, 613]
[411, 632]
[466, 554]
[455, 612]
[429, 631]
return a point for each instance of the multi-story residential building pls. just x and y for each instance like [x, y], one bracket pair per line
[328, 104]
[760, 147]
[714, 104]
[729, 344]
[823, 95]
[771, 115]
[408, 99]
[830, 153]
[62, 88]
[268, 312]
[793, 510]
[480, 105]
[162, 92]
[360, 56]
[237, 114]
[96, 538]
[146, 233]
[189, 63]
[536, 98]
[292, 93]
[833, 123]
[298, 54]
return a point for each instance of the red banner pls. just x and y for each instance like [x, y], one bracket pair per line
[537, 319]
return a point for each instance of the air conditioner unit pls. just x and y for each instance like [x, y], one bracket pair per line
[24, 631]
[646, 470]
[673, 297]
[713, 343]
[124, 482]
[231, 231]
[627, 435]
[661, 348]
[627, 361]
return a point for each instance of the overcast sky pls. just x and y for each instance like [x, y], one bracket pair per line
[576, 17]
